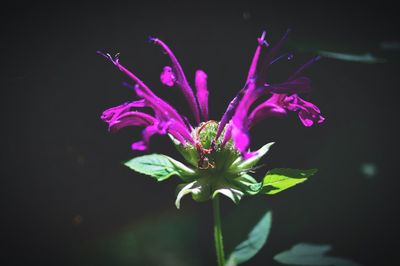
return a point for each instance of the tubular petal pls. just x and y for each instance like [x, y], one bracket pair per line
[253, 65]
[265, 110]
[240, 122]
[279, 103]
[163, 110]
[235, 122]
[250, 83]
[308, 112]
[144, 92]
[113, 113]
[133, 118]
[227, 136]
[202, 92]
[304, 67]
[240, 136]
[230, 111]
[180, 78]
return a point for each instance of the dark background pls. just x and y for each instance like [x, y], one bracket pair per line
[67, 199]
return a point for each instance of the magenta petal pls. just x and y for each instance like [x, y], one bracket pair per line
[167, 77]
[240, 122]
[139, 146]
[180, 79]
[305, 118]
[308, 118]
[123, 116]
[202, 92]
[151, 130]
[230, 111]
[241, 138]
[177, 135]
[250, 85]
[133, 118]
[253, 66]
[114, 112]
[147, 133]
[308, 112]
[233, 105]
[265, 110]
[163, 110]
[227, 136]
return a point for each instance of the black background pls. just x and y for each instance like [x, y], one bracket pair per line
[62, 181]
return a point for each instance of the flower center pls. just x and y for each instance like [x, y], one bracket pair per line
[205, 143]
[211, 153]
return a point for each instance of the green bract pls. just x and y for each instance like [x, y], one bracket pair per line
[216, 168]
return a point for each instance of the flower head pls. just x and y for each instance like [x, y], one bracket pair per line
[218, 152]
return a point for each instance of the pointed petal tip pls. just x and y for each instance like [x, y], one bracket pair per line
[152, 39]
[139, 146]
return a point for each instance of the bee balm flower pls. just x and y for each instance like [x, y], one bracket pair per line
[217, 151]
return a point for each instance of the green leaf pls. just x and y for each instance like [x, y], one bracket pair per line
[200, 190]
[277, 180]
[242, 165]
[360, 58]
[365, 53]
[312, 255]
[254, 242]
[390, 46]
[160, 167]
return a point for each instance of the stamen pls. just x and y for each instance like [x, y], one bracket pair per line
[230, 111]
[187, 123]
[271, 53]
[305, 66]
[129, 86]
[288, 56]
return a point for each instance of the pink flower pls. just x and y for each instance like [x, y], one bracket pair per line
[239, 117]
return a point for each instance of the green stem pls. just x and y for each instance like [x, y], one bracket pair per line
[219, 247]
